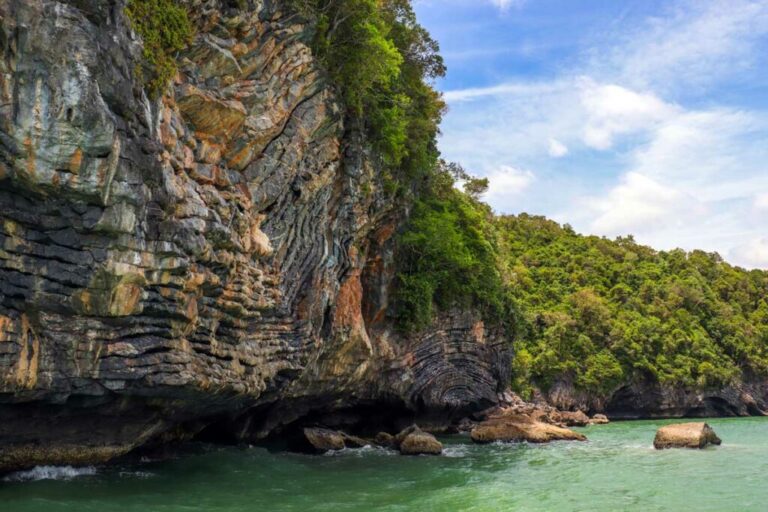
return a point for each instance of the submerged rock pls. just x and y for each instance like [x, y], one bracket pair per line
[685, 435]
[385, 439]
[418, 442]
[573, 419]
[518, 427]
[323, 439]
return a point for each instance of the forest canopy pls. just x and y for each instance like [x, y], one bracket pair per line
[599, 312]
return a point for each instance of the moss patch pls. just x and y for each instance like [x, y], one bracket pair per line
[165, 29]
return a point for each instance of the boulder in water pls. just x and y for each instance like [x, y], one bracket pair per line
[685, 435]
[418, 442]
[519, 427]
[573, 418]
[385, 439]
[323, 439]
[400, 437]
[354, 441]
[599, 419]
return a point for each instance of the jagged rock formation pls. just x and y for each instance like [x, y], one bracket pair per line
[216, 258]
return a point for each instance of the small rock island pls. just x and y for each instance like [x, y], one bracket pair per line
[685, 435]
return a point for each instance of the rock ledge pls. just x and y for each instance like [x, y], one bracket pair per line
[518, 427]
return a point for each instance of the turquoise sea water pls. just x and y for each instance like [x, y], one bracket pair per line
[618, 469]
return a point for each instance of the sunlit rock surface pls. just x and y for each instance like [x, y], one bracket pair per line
[685, 435]
[513, 427]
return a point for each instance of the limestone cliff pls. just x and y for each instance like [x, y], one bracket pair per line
[219, 257]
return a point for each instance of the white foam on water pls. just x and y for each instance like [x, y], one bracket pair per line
[50, 473]
[360, 452]
[456, 450]
[136, 474]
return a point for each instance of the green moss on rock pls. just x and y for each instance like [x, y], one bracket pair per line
[165, 29]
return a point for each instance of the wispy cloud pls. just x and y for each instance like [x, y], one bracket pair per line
[613, 110]
[506, 182]
[761, 202]
[501, 90]
[692, 43]
[651, 150]
[752, 254]
[506, 4]
[557, 149]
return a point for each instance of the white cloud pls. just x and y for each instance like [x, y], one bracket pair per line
[506, 183]
[506, 4]
[640, 203]
[760, 202]
[614, 110]
[752, 254]
[557, 149]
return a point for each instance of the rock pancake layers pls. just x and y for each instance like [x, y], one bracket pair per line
[215, 261]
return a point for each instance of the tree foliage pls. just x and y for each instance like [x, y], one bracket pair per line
[448, 255]
[600, 313]
[382, 62]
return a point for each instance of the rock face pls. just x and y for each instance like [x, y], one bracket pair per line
[215, 260]
[685, 435]
[520, 427]
[644, 399]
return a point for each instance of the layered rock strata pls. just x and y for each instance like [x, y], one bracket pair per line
[218, 258]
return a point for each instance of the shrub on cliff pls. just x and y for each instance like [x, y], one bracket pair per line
[448, 255]
[382, 61]
[165, 29]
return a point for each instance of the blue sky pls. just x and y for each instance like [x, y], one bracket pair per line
[634, 117]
